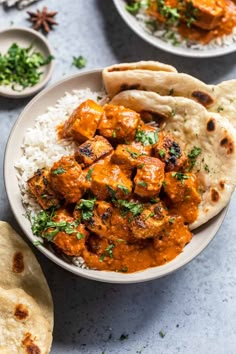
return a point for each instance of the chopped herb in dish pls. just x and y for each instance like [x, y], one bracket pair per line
[146, 137]
[19, 67]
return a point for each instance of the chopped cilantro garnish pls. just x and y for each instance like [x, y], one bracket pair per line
[171, 14]
[19, 67]
[219, 109]
[172, 220]
[173, 112]
[38, 243]
[89, 174]
[142, 184]
[108, 252]
[79, 62]
[123, 270]
[206, 168]
[126, 207]
[180, 176]
[114, 134]
[161, 153]
[133, 8]
[192, 156]
[58, 171]
[146, 137]
[134, 154]
[162, 334]
[86, 206]
[123, 188]
[141, 165]
[79, 236]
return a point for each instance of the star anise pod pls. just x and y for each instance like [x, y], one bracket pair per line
[43, 20]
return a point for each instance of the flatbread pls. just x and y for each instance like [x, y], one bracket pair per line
[193, 125]
[23, 328]
[20, 269]
[216, 98]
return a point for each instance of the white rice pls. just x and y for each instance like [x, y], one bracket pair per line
[164, 35]
[41, 147]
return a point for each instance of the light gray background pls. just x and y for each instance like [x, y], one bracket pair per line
[196, 306]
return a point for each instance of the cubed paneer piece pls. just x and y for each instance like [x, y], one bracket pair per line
[172, 240]
[182, 191]
[150, 223]
[149, 177]
[143, 150]
[170, 152]
[71, 237]
[118, 123]
[83, 122]
[208, 13]
[92, 150]
[180, 186]
[109, 180]
[40, 187]
[127, 156]
[65, 179]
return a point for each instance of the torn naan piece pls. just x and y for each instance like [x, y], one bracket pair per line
[20, 269]
[219, 98]
[194, 126]
[23, 328]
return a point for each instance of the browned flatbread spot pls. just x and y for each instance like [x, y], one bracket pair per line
[30, 346]
[215, 195]
[149, 116]
[228, 144]
[21, 312]
[125, 87]
[211, 125]
[117, 68]
[202, 98]
[222, 184]
[18, 263]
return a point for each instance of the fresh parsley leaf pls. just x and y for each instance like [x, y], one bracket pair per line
[108, 252]
[58, 171]
[126, 207]
[146, 137]
[79, 236]
[141, 165]
[79, 62]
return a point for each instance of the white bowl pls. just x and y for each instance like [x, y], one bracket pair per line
[24, 37]
[133, 23]
[38, 106]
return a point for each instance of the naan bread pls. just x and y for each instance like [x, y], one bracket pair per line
[20, 269]
[216, 98]
[193, 125]
[23, 328]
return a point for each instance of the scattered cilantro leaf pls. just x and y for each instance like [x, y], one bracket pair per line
[86, 206]
[142, 184]
[58, 171]
[79, 62]
[192, 156]
[123, 188]
[89, 174]
[180, 176]
[146, 137]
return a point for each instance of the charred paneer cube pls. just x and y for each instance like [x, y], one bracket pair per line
[182, 191]
[110, 180]
[92, 150]
[170, 152]
[150, 223]
[65, 179]
[83, 122]
[149, 177]
[118, 123]
[39, 186]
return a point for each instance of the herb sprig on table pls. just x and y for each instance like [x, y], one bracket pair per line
[19, 67]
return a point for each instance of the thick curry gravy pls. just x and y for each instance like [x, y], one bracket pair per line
[124, 200]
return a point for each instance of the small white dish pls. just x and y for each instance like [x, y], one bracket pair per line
[24, 37]
[40, 103]
[134, 24]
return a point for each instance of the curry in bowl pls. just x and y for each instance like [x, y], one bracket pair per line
[123, 201]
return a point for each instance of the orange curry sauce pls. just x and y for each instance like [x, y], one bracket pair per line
[213, 18]
[124, 200]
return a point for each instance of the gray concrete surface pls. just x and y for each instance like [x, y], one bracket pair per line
[196, 306]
